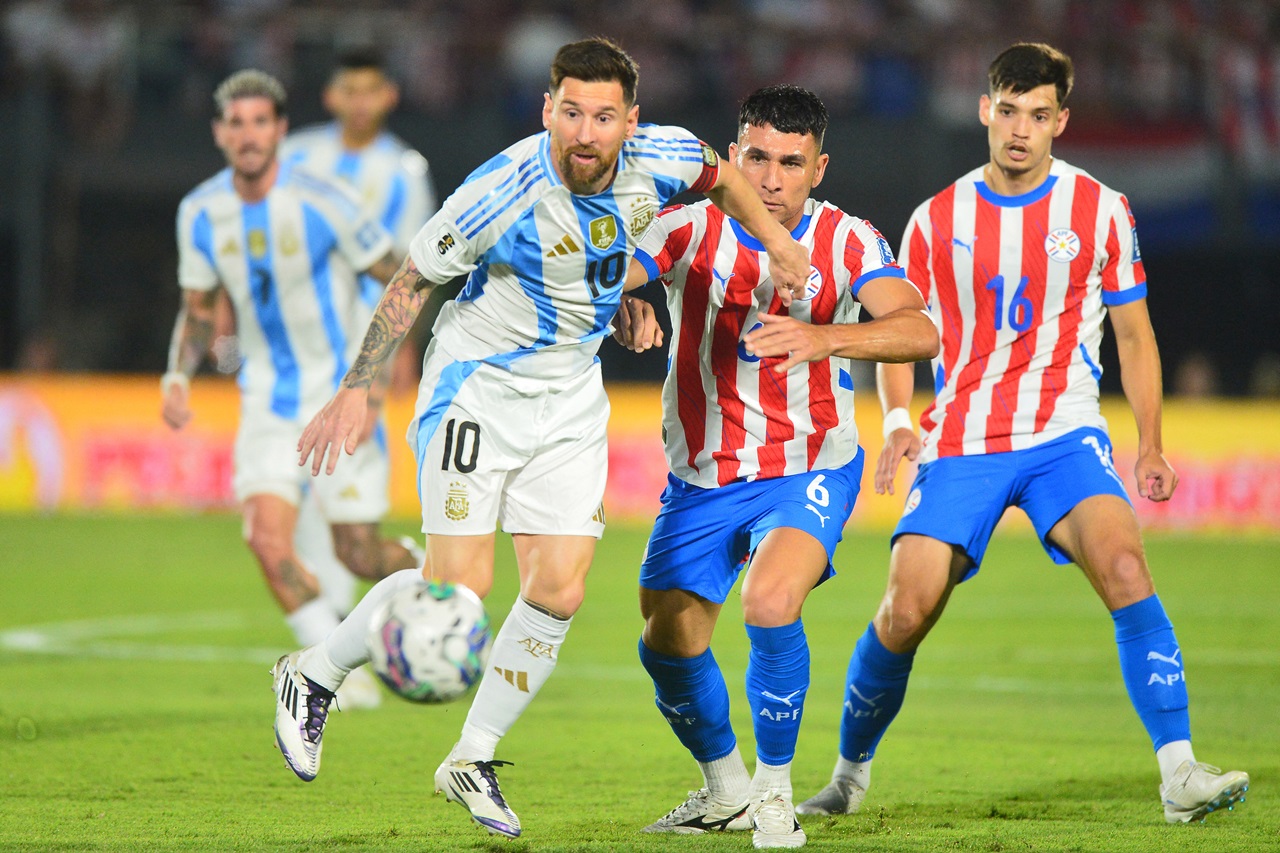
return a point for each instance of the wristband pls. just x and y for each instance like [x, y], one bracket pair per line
[174, 377]
[897, 418]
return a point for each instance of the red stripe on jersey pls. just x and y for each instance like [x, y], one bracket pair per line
[1035, 228]
[1084, 221]
[986, 266]
[943, 291]
[1139, 271]
[673, 249]
[691, 406]
[1111, 271]
[725, 336]
[918, 265]
[822, 402]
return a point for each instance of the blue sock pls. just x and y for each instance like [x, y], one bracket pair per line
[691, 694]
[777, 681]
[875, 686]
[1151, 664]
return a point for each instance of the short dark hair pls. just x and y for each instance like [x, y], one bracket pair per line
[596, 60]
[1028, 65]
[359, 59]
[250, 83]
[788, 109]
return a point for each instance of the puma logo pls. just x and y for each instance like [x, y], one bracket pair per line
[675, 709]
[871, 703]
[822, 519]
[1172, 661]
[723, 279]
[968, 247]
[785, 700]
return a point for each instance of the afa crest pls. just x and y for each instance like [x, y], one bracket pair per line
[289, 242]
[457, 505]
[604, 232]
[257, 243]
[641, 216]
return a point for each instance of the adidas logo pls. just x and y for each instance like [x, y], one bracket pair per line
[464, 782]
[599, 515]
[350, 493]
[566, 246]
[519, 680]
[289, 696]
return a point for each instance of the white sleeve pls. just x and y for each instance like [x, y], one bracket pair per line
[196, 270]
[419, 200]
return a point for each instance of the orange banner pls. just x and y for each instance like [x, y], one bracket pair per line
[97, 443]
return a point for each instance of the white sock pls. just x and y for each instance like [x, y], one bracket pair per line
[523, 657]
[727, 778]
[858, 772]
[328, 663]
[1170, 757]
[313, 540]
[312, 622]
[771, 777]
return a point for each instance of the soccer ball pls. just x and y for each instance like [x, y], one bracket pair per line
[429, 642]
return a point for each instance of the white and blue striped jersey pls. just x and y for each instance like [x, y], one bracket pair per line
[392, 180]
[546, 266]
[289, 264]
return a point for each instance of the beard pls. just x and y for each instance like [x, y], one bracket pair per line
[583, 179]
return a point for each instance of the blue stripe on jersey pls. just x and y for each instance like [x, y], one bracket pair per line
[474, 288]
[485, 168]
[348, 207]
[395, 204]
[320, 244]
[266, 304]
[447, 387]
[1093, 368]
[202, 235]
[521, 247]
[755, 245]
[878, 272]
[607, 267]
[667, 187]
[1016, 200]
[642, 137]
[369, 290]
[846, 381]
[348, 166]
[529, 174]
[1123, 297]
[668, 156]
[486, 201]
[544, 157]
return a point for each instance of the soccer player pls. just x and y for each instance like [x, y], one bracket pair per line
[763, 451]
[286, 246]
[394, 182]
[1020, 260]
[511, 417]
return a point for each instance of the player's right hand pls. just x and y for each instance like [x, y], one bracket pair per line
[635, 326]
[337, 426]
[789, 269]
[901, 443]
[176, 409]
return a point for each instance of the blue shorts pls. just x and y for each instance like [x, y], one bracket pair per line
[703, 537]
[959, 499]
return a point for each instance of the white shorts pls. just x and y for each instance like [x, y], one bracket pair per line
[266, 462]
[493, 447]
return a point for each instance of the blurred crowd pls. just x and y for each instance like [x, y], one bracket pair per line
[108, 73]
[1213, 64]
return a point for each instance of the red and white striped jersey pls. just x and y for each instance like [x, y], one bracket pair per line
[727, 416]
[1019, 286]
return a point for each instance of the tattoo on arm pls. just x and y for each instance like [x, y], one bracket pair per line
[193, 336]
[401, 302]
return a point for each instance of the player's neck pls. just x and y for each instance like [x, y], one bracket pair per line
[1002, 182]
[255, 188]
[355, 140]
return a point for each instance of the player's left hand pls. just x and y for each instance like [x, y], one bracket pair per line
[786, 336]
[635, 326]
[789, 269]
[1156, 477]
[336, 427]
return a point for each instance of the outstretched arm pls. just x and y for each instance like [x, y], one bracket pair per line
[338, 424]
[1140, 376]
[788, 260]
[191, 342]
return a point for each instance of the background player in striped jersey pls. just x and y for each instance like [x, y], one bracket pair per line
[286, 247]
[763, 450]
[511, 415]
[1020, 260]
[394, 182]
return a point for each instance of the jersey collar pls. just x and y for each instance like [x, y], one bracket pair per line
[1028, 197]
[755, 245]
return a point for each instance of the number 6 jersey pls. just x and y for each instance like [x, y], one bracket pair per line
[1019, 286]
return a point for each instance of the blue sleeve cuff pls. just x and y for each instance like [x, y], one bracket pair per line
[650, 266]
[885, 272]
[1123, 297]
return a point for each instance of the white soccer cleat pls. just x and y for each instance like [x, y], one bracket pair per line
[474, 786]
[359, 691]
[703, 813]
[302, 707]
[1197, 789]
[840, 796]
[775, 824]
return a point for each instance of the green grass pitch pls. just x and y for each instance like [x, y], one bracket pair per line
[135, 709]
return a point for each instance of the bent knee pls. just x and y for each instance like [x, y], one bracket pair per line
[772, 608]
[902, 622]
[1126, 579]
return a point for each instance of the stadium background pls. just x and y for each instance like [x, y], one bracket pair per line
[106, 107]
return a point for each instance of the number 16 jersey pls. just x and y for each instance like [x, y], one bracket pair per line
[1019, 286]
